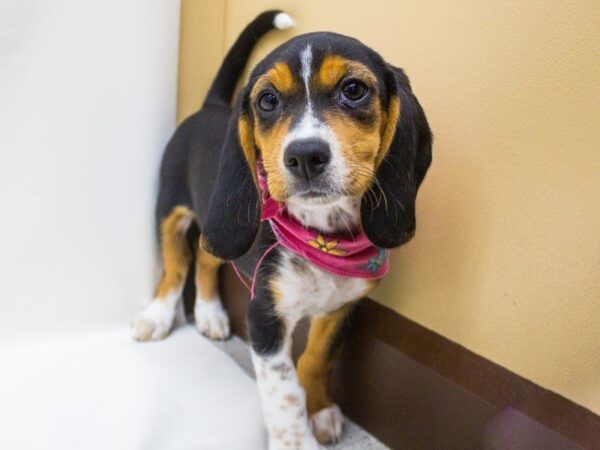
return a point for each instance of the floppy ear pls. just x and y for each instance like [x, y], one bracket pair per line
[388, 209]
[230, 227]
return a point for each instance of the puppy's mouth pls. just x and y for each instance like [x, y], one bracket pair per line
[317, 198]
[313, 194]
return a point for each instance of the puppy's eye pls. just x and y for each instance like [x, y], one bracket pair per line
[268, 101]
[354, 91]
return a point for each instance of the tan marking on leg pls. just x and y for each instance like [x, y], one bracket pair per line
[174, 249]
[207, 275]
[276, 293]
[316, 362]
[291, 399]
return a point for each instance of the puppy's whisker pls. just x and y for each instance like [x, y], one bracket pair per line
[377, 183]
[369, 173]
[356, 144]
[346, 224]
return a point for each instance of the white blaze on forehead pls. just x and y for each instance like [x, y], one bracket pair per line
[306, 60]
[310, 127]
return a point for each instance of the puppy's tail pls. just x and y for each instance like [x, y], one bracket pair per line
[221, 91]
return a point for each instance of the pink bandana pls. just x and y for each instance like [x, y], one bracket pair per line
[356, 257]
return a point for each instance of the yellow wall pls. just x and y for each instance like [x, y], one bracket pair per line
[506, 259]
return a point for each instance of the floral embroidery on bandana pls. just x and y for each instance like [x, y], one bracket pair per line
[331, 246]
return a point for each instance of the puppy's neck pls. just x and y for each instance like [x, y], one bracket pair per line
[339, 217]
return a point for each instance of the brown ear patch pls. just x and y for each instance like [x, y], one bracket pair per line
[389, 128]
[207, 274]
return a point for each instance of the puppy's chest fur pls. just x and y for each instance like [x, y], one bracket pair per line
[308, 290]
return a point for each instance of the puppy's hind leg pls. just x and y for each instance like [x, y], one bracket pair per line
[211, 318]
[156, 320]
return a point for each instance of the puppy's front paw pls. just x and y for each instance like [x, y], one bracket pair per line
[327, 424]
[154, 322]
[212, 319]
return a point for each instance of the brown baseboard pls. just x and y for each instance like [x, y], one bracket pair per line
[414, 389]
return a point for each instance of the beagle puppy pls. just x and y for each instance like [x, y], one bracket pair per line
[332, 135]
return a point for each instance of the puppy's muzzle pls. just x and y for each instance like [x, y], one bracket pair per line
[307, 159]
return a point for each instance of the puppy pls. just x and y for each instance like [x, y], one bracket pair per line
[304, 184]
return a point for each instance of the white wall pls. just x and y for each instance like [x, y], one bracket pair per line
[87, 103]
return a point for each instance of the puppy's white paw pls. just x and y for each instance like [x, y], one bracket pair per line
[327, 424]
[212, 319]
[154, 322]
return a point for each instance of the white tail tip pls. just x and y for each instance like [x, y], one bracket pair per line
[283, 21]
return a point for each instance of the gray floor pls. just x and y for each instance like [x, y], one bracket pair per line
[354, 437]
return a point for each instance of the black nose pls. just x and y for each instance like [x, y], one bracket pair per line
[307, 158]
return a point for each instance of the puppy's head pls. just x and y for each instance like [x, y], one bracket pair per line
[329, 118]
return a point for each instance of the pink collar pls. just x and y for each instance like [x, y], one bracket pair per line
[356, 257]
